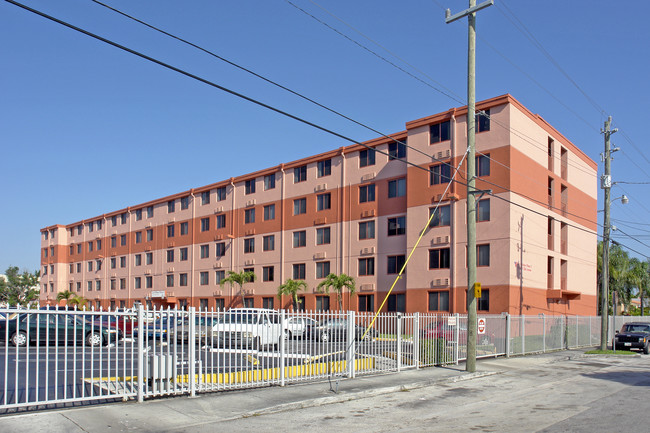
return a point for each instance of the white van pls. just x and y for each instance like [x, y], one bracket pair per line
[247, 327]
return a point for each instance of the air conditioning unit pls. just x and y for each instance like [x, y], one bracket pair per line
[366, 287]
[170, 244]
[250, 203]
[147, 272]
[170, 269]
[447, 153]
[320, 221]
[249, 291]
[369, 176]
[368, 213]
[146, 225]
[368, 250]
[249, 262]
[148, 249]
[218, 209]
[249, 232]
[113, 275]
[171, 220]
[216, 293]
[218, 237]
[320, 255]
[217, 265]
[321, 187]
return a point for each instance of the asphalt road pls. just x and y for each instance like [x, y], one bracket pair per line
[591, 394]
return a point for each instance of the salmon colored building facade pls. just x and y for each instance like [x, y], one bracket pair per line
[357, 211]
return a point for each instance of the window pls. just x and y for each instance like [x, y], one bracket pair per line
[397, 226]
[170, 256]
[249, 269]
[149, 235]
[483, 303]
[366, 157]
[137, 282]
[397, 188]
[441, 217]
[113, 221]
[99, 225]
[98, 265]
[185, 202]
[439, 132]
[122, 283]
[171, 206]
[138, 237]
[71, 268]
[367, 193]
[123, 240]
[221, 193]
[439, 173]
[99, 246]
[396, 150]
[367, 230]
[323, 236]
[79, 229]
[268, 243]
[395, 263]
[148, 281]
[249, 245]
[182, 279]
[203, 304]
[98, 285]
[219, 275]
[205, 251]
[148, 258]
[170, 231]
[324, 167]
[149, 211]
[439, 301]
[123, 262]
[123, 218]
[221, 221]
[219, 304]
[323, 201]
[299, 206]
[170, 280]
[269, 212]
[184, 227]
[138, 260]
[205, 197]
[71, 251]
[300, 174]
[483, 255]
[204, 278]
[249, 216]
[367, 266]
[439, 258]
[78, 267]
[78, 248]
[397, 303]
[267, 303]
[249, 302]
[205, 224]
[366, 302]
[483, 121]
[322, 269]
[269, 182]
[299, 239]
[220, 249]
[138, 214]
[90, 227]
[249, 186]
[483, 210]
[90, 246]
[267, 273]
[299, 271]
[322, 303]
[89, 286]
[483, 165]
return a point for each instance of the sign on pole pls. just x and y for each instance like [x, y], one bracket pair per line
[481, 325]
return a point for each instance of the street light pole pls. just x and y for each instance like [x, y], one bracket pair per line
[470, 13]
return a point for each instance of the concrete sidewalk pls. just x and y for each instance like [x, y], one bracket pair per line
[184, 413]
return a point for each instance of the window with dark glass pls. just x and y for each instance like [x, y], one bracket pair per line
[322, 303]
[483, 165]
[170, 231]
[396, 303]
[269, 212]
[299, 206]
[269, 181]
[396, 150]
[397, 188]
[249, 216]
[250, 186]
[367, 230]
[205, 197]
[483, 210]
[367, 266]
[185, 203]
[439, 301]
[397, 226]
[323, 236]
[395, 263]
[441, 217]
[171, 206]
[184, 228]
[439, 258]
[299, 271]
[483, 255]
[322, 269]
[268, 273]
[221, 221]
[249, 245]
[170, 256]
[366, 157]
[220, 249]
[300, 174]
[205, 224]
[439, 132]
[323, 201]
[367, 193]
[183, 252]
[483, 121]
[268, 243]
[205, 251]
[221, 193]
[439, 173]
[324, 167]
[299, 239]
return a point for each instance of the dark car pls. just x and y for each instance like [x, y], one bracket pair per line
[337, 329]
[447, 331]
[27, 328]
[633, 335]
[125, 323]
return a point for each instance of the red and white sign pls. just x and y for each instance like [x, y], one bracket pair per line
[481, 325]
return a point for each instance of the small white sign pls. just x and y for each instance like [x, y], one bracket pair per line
[481, 325]
[158, 294]
[451, 320]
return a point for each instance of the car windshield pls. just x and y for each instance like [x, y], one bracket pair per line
[635, 328]
[245, 318]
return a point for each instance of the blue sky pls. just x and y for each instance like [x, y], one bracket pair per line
[79, 118]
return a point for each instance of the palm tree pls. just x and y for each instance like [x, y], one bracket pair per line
[619, 265]
[638, 278]
[77, 301]
[338, 283]
[67, 295]
[291, 288]
[239, 278]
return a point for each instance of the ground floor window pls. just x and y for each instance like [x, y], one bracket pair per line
[267, 303]
[439, 301]
[322, 303]
[249, 303]
[219, 304]
[203, 304]
[482, 303]
[366, 302]
[397, 303]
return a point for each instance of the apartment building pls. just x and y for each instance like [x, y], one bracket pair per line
[359, 210]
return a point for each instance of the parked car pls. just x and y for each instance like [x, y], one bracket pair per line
[247, 327]
[160, 328]
[124, 323]
[633, 335]
[337, 329]
[299, 327]
[202, 330]
[28, 328]
[447, 331]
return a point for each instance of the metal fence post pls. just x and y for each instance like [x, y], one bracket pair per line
[522, 332]
[590, 330]
[191, 347]
[416, 340]
[283, 334]
[507, 335]
[457, 338]
[399, 342]
[544, 333]
[140, 352]
[352, 342]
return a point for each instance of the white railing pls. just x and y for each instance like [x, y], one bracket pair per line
[63, 356]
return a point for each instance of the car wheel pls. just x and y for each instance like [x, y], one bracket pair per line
[19, 339]
[646, 348]
[324, 336]
[94, 339]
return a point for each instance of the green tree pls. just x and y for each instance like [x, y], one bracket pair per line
[291, 288]
[67, 295]
[619, 267]
[77, 301]
[338, 283]
[638, 279]
[19, 289]
[239, 279]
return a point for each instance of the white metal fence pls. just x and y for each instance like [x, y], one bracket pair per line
[60, 357]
